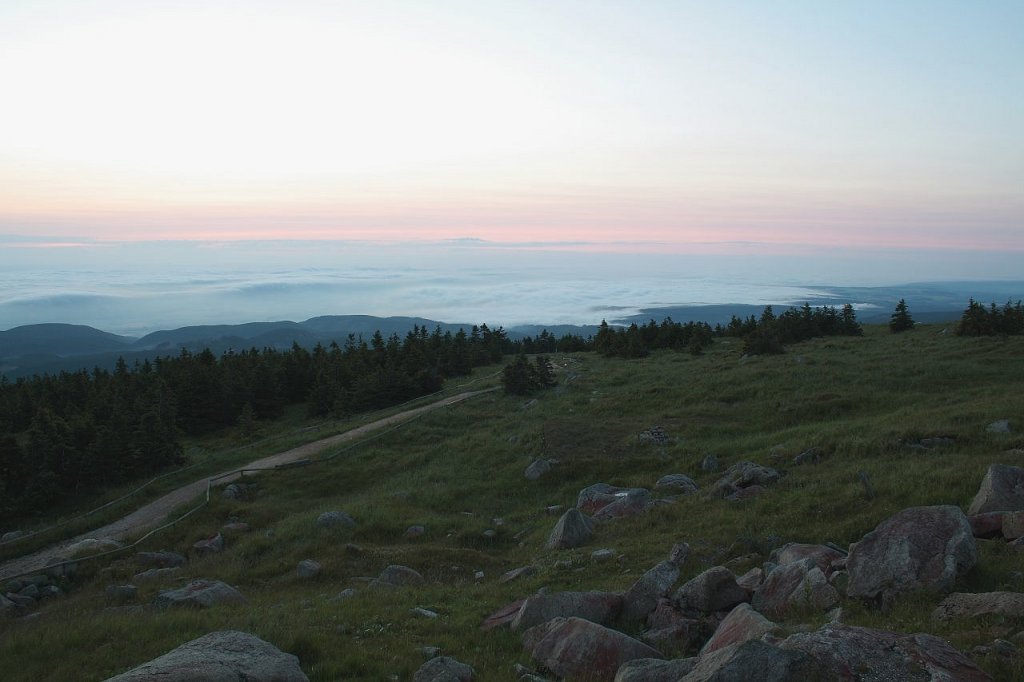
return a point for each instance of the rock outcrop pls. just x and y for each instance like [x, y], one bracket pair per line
[579, 649]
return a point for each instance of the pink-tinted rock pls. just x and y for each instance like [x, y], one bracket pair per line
[796, 551]
[751, 580]
[597, 607]
[654, 670]
[713, 590]
[756, 660]
[987, 525]
[633, 502]
[581, 650]
[209, 545]
[573, 529]
[643, 596]
[855, 653]
[741, 625]
[594, 498]
[794, 586]
[503, 617]
[921, 548]
[966, 605]
[1013, 525]
[1002, 489]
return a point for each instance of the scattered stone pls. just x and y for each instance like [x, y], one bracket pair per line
[444, 669]
[1002, 489]
[490, 533]
[572, 530]
[521, 572]
[811, 456]
[208, 546]
[335, 519]
[677, 484]
[224, 655]
[553, 510]
[596, 497]
[353, 550]
[308, 568]
[235, 528]
[999, 426]
[157, 574]
[563, 564]
[670, 628]
[757, 660]
[23, 601]
[11, 536]
[656, 435]
[709, 463]
[602, 554]
[413, 532]
[430, 652]
[597, 607]
[48, 591]
[800, 584]
[643, 596]
[881, 655]
[987, 525]
[426, 613]
[964, 605]
[537, 468]
[9, 608]
[200, 593]
[13, 586]
[119, 594]
[713, 590]
[503, 617]
[747, 493]
[398, 576]
[654, 670]
[918, 548]
[161, 559]
[679, 553]
[479, 575]
[238, 491]
[31, 590]
[743, 475]
[347, 593]
[579, 649]
[751, 580]
[822, 555]
[936, 442]
[89, 547]
[741, 625]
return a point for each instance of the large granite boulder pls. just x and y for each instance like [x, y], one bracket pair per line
[578, 649]
[643, 596]
[920, 548]
[797, 585]
[676, 484]
[225, 656]
[199, 594]
[572, 530]
[597, 607]
[796, 551]
[1002, 489]
[741, 625]
[596, 497]
[713, 590]
[849, 652]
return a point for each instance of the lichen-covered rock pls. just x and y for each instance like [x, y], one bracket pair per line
[632, 502]
[581, 650]
[654, 670]
[676, 484]
[796, 551]
[713, 590]
[307, 568]
[921, 548]
[335, 519]
[987, 525]
[537, 468]
[207, 546]
[199, 594]
[879, 655]
[741, 625]
[743, 475]
[572, 530]
[1002, 489]
[88, 547]
[596, 497]
[643, 596]
[444, 669]
[966, 605]
[597, 607]
[800, 584]
[756, 660]
[398, 576]
[225, 656]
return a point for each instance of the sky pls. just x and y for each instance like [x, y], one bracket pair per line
[792, 129]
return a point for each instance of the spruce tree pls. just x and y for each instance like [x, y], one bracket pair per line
[901, 320]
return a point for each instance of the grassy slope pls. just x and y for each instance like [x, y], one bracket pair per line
[457, 470]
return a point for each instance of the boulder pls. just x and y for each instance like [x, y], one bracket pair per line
[920, 548]
[597, 607]
[987, 525]
[643, 596]
[679, 553]
[575, 648]
[224, 656]
[881, 655]
[537, 468]
[670, 628]
[238, 491]
[594, 498]
[157, 574]
[795, 551]
[999, 426]
[964, 605]
[797, 585]
[515, 573]
[88, 547]
[654, 670]
[9, 607]
[1002, 489]
[199, 594]
[207, 546]
[741, 625]
[713, 590]
[503, 617]
[335, 519]
[632, 502]
[398, 576]
[1013, 525]
[413, 532]
[308, 568]
[444, 669]
[676, 484]
[572, 530]
[709, 463]
[757, 660]
[743, 475]
[751, 580]
[235, 528]
[161, 559]
[11, 536]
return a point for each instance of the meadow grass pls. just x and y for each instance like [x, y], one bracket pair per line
[459, 472]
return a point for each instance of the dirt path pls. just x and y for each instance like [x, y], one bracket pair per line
[150, 515]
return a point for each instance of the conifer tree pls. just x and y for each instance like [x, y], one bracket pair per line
[901, 320]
